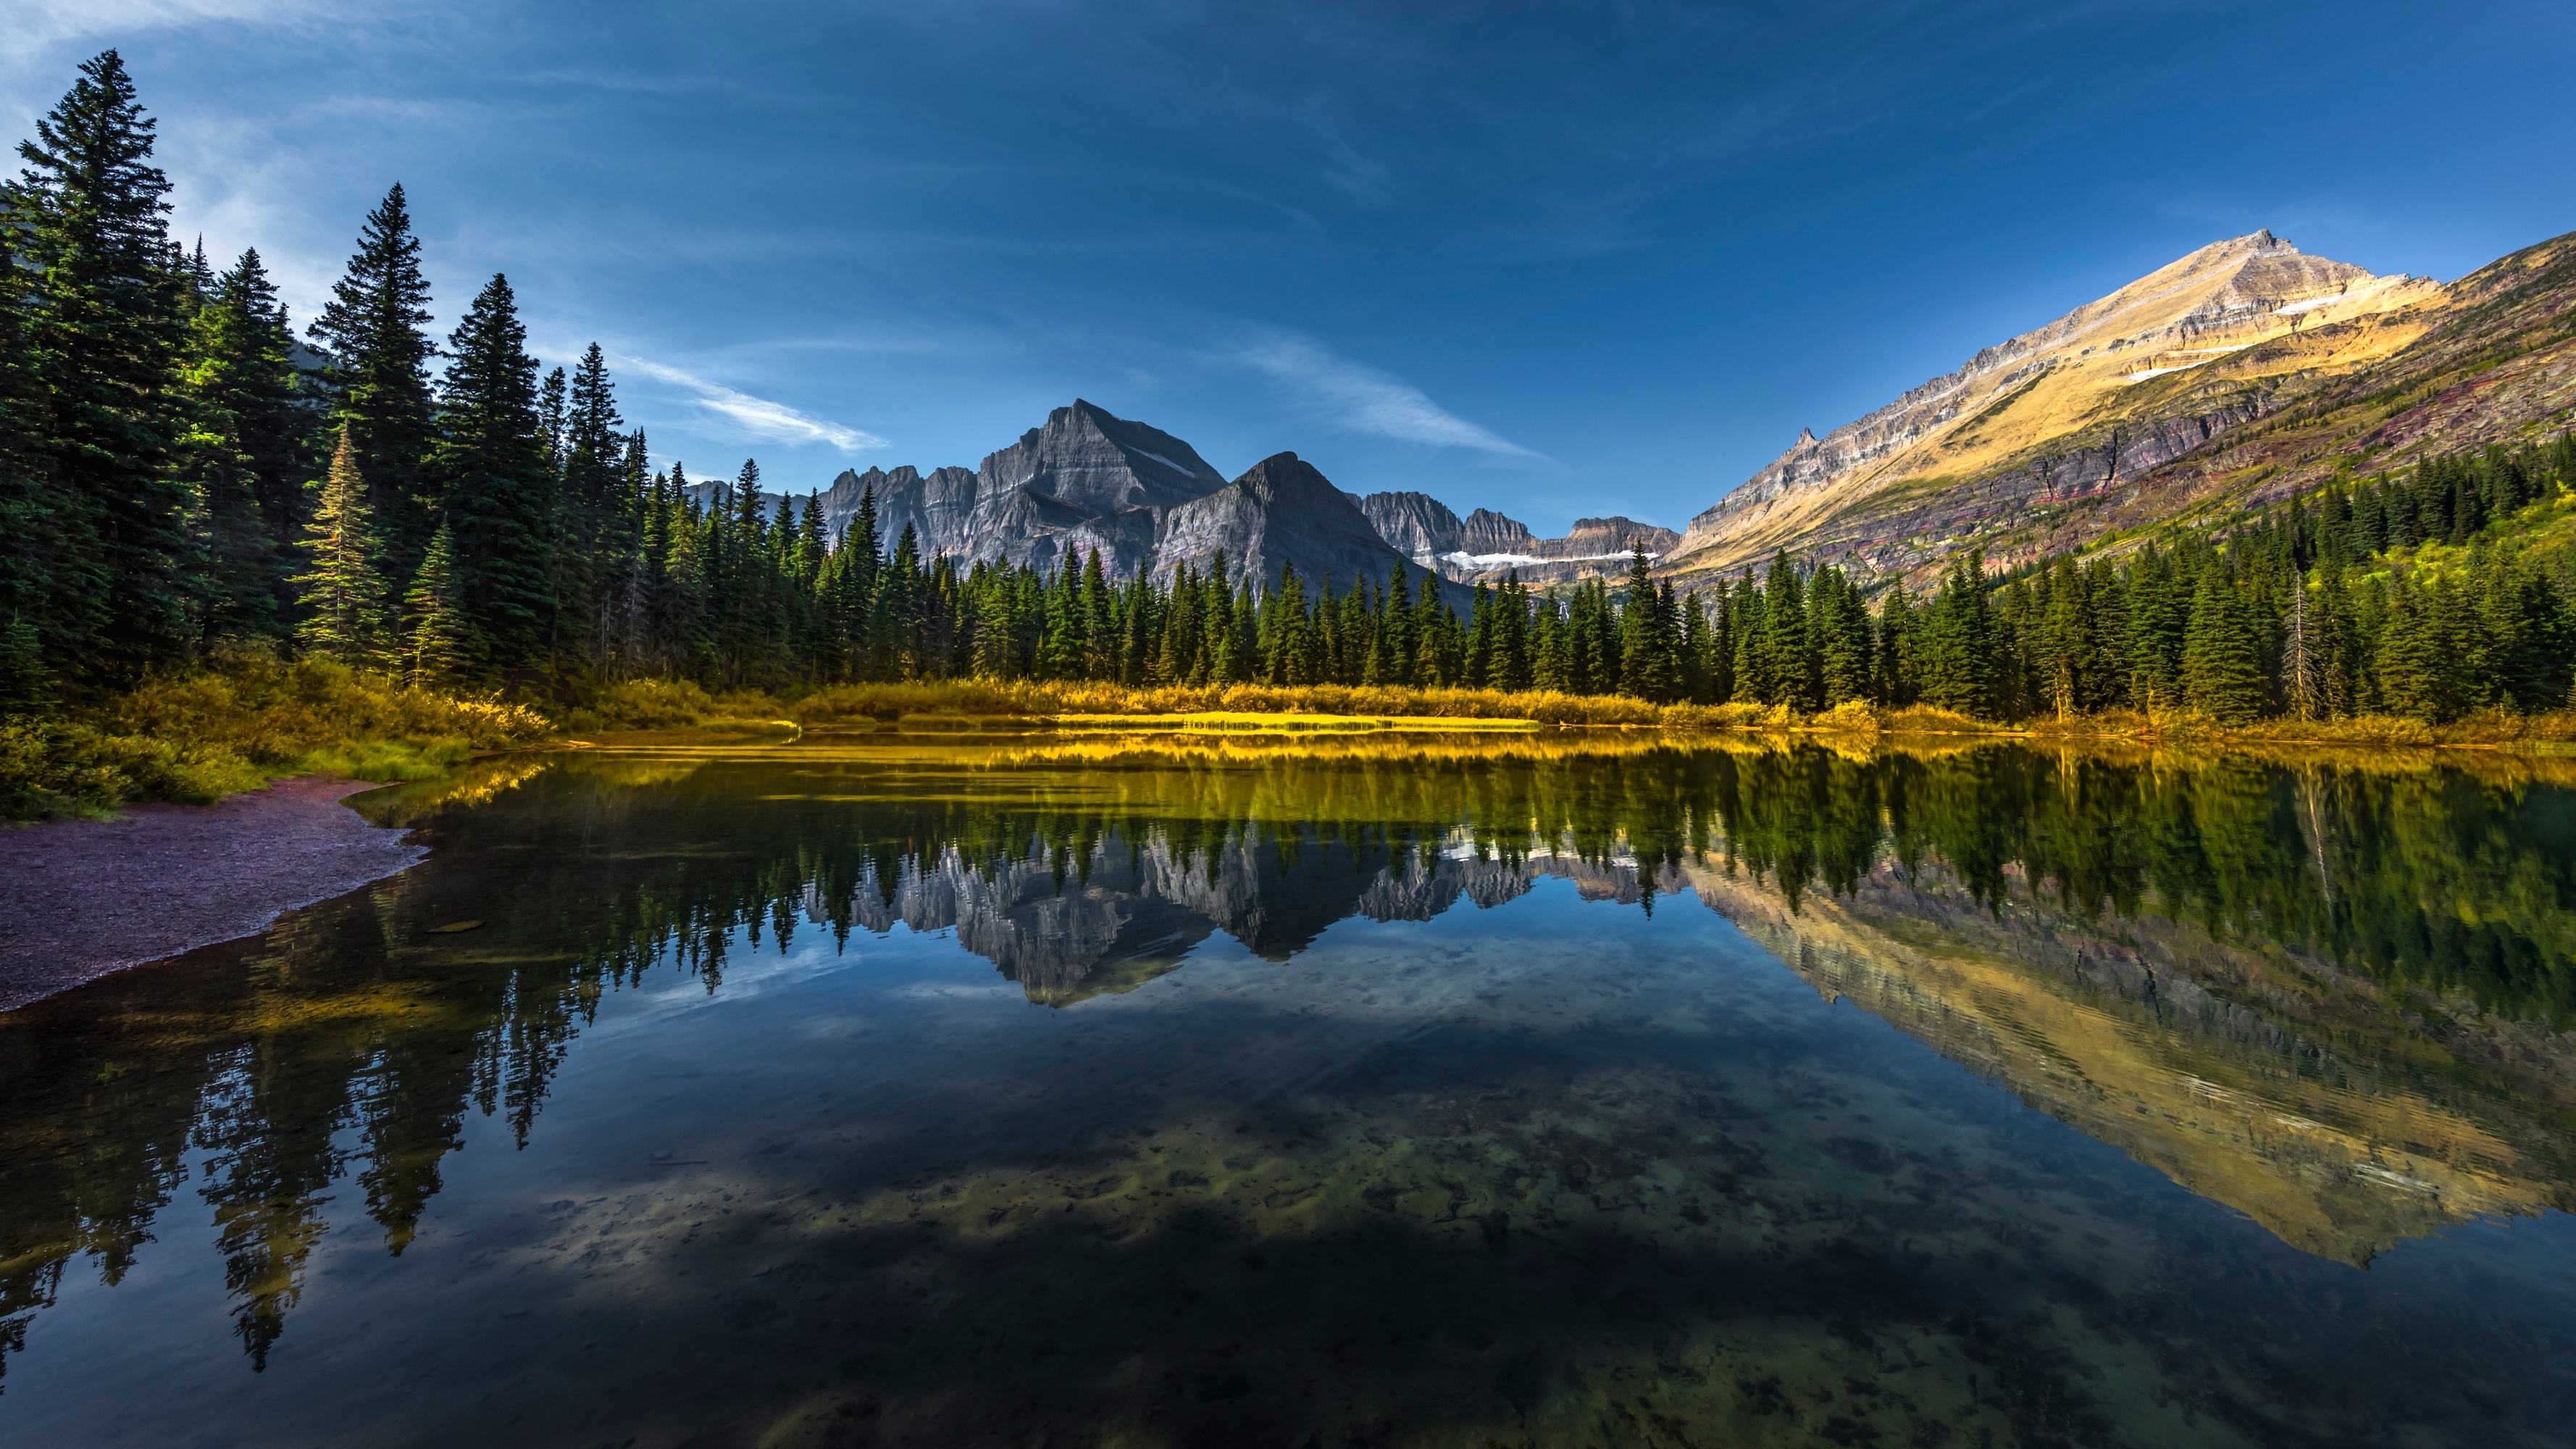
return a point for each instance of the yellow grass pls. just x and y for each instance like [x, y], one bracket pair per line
[199, 737]
[1217, 721]
[2491, 729]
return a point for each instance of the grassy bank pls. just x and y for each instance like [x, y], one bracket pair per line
[2493, 729]
[202, 736]
[654, 704]
[967, 703]
[199, 737]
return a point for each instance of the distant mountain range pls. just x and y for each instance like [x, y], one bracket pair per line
[1143, 499]
[2229, 378]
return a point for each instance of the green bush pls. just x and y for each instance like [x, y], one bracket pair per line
[50, 769]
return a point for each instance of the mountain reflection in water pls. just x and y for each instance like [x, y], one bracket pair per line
[2328, 993]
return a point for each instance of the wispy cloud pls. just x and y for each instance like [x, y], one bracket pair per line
[1366, 400]
[31, 23]
[757, 415]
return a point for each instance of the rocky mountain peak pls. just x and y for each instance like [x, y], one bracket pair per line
[1090, 459]
[2077, 372]
[1281, 511]
[1488, 532]
[1416, 525]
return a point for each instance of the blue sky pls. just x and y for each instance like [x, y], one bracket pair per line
[1554, 259]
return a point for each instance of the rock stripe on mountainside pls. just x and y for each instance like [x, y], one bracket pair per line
[1993, 452]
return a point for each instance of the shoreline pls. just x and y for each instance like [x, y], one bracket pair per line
[90, 898]
[93, 897]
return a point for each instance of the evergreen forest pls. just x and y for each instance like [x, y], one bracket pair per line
[186, 483]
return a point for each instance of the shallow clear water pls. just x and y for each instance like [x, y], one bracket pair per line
[1377, 1091]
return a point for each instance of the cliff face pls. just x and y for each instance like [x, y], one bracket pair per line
[2016, 449]
[1416, 525]
[1487, 547]
[1281, 512]
[1076, 475]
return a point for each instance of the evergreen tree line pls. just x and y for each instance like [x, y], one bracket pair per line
[180, 478]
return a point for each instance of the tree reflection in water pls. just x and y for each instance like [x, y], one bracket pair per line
[2383, 949]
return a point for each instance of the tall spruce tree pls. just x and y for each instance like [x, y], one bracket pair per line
[440, 647]
[249, 454]
[491, 468]
[103, 340]
[1843, 645]
[2414, 656]
[2159, 617]
[341, 597]
[1788, 656]
[1959, 653]
[1649, 636]
[592, 518]
[2222, 651]
[379, 373]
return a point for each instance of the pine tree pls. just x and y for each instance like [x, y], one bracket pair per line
[342, 596]
[1480, 637]
[2064, 657]
[104, 338]
[1899, 663]
[1099, 623]
[491, 469]
[1959, 644]
[1649, 637]
[1844, 647]
[1288, 638]
[2414, 659]
[1391, 660]
[591, 521]
[2159, 615]
[1753, 682]
[248, 454]
[2222, 653]
[1788, 655]
[1509, 668]
[440, 649]
[900, 610]
[2524, 621]
[380, 374]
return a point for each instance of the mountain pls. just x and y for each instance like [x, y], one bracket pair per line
[1281, 512]
[1028, 501]
[2127, 410]
[1485, 546]
[1144, 499]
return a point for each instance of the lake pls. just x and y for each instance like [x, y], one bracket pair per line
[1389, 1089]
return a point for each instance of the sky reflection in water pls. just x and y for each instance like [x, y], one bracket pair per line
[1374, 1091]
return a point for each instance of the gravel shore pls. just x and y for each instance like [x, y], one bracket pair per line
[82, 898]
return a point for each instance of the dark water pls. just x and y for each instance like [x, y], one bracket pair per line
[1384, 1091]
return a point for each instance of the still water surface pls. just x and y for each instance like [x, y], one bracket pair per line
[1384, 1091]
